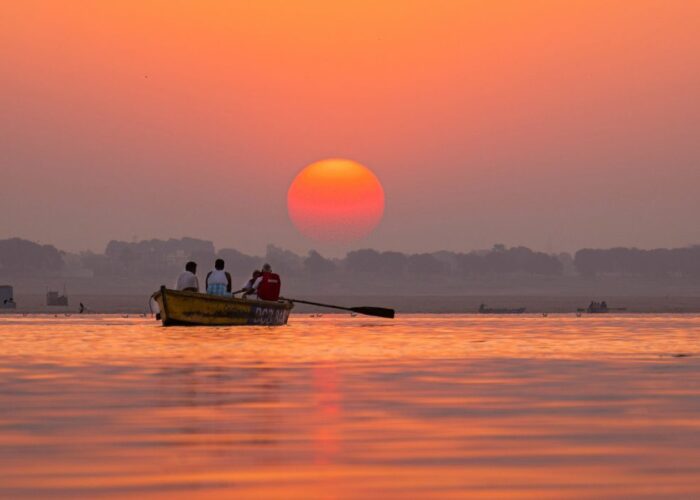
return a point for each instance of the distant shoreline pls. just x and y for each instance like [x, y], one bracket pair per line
[430, 304]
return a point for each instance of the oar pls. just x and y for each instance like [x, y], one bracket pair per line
[382, 312]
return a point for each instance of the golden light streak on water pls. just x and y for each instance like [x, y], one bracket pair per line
[426, 406]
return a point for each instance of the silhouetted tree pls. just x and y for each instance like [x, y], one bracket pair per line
[158, 258]
[18, 256]
[635, 262]
[503, 260]
[371, 261]
[238, 263]
[283, 261]
[315, 264]
[425, 264]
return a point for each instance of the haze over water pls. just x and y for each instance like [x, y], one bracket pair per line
[554, 125]
[336, 407]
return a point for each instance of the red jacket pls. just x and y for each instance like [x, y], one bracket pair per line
[269, 287]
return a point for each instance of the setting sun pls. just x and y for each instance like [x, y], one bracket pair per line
[335, 200]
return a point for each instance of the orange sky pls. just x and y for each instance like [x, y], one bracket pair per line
[546, 123]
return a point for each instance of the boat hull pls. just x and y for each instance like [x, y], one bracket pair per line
[199, 309]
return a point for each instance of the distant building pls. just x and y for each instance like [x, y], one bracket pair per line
[7, 299]
[54, 299]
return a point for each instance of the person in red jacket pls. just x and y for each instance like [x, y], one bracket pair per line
[268, 285]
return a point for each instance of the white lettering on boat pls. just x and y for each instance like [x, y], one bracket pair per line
[270, 316]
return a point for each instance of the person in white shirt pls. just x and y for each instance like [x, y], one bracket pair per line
[218, 280]
[187, 281]
[249, 287]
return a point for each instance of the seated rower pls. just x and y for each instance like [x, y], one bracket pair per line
[187, 281]
[249, 286]
[268, 285]
[219, 281]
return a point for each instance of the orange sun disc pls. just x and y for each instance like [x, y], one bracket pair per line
[335, 200]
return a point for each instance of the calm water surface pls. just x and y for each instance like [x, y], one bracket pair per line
[426, 406]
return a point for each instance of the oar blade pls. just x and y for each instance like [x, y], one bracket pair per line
[381, 312]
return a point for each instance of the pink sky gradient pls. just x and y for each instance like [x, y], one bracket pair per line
[544, 123]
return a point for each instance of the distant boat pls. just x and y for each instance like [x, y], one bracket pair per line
[599, 308]
[7, 299]
[500, 310]
[192, 308]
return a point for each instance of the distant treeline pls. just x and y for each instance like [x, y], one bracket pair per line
[18, 256]
[163, 259]
[634, 262]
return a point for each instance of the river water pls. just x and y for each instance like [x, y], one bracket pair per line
[424, 406]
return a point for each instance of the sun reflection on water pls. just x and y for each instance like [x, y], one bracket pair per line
[337, 407]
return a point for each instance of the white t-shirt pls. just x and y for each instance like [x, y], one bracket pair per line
[187, 280]
[218, 277]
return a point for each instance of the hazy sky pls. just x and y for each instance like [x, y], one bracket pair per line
[553, 124]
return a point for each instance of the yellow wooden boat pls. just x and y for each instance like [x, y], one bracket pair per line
[192, 308]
